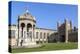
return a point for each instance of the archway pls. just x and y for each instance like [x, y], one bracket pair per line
[62, 38]
[29, 30]
[22, 26]
[29, 26]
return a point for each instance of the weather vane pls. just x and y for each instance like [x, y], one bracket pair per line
[27, 10]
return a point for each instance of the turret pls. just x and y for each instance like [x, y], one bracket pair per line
[57, 25]
[70, 26]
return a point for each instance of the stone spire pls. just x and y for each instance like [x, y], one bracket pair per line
[70, 26]
[65, 20]
[57, 25]
[66, 31]
[58, 31]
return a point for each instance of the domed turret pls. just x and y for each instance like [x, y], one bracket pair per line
[27, 16]
[26, 28]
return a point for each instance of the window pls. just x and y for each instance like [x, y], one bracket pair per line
[44, 35]
[36, 35]
[9, 32]
[47, 35]
[12, 33]
[40, 35]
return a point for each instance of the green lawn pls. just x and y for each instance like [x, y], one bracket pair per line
[48, 47]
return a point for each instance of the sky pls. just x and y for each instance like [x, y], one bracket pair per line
[47, 15]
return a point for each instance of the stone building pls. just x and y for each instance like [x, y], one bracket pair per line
[65, 33]
[26, 33]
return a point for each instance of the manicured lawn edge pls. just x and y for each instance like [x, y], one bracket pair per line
[48, 47]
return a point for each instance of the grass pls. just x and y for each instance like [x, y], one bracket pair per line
[48, 47]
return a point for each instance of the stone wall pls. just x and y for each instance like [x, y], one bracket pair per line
[73, 37]
[12, 42]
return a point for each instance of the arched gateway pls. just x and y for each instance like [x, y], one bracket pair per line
[26, 29]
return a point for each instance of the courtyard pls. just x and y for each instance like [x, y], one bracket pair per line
[48, 47]
[31, 31]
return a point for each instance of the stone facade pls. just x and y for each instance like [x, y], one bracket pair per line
[64, 33]
[25, 32]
